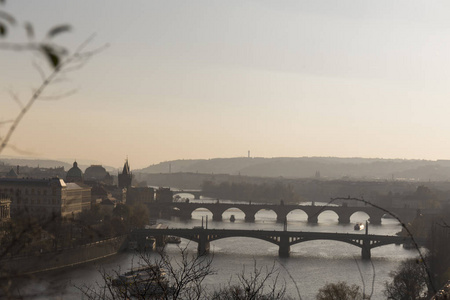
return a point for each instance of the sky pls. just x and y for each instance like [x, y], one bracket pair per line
[208, 79]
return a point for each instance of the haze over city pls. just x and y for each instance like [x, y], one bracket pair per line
[224, 149]
[205, 79]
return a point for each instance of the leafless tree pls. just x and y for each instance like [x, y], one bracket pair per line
[263, 283]
[339, 291]
[60, 63]
[161, 277]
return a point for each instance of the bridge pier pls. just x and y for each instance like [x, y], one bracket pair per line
[313, 219]
[249, 218]
[281, 218]
[365, 250]
[217, 217]
[284, 248]
[365, 253]
[185, 216]
[344, 219]
[160, 241]
[203, 245]
[375, 220]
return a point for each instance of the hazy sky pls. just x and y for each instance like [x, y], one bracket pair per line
[206, 79]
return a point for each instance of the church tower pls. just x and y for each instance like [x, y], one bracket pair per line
[126, 176]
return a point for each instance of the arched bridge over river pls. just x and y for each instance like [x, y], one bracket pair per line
[283, 239]
[184, 211]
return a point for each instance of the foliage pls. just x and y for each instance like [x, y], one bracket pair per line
[409, 282]
[439, 249]
[121, 211]
[139, 216]
[339, 291]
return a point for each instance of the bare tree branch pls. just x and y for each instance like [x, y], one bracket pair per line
[74, 58]
[16, 99]
[410, 235]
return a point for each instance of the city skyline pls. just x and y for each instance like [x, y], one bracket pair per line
[202, 79]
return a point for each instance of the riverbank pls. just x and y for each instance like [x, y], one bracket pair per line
[26, 265]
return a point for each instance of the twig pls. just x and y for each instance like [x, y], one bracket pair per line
[293, 280]
[401, 223]
[361, 275]
[373, 279]
[45, 83]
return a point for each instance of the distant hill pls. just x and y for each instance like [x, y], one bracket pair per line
[308, 167]
[45, 163]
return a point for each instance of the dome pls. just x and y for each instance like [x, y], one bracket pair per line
[74, 174]
[96, 173]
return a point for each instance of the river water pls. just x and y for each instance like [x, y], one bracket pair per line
[310, 266]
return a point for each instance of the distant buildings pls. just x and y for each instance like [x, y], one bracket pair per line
[74, 174]
[31, 172]
[97, 173]
[45, 197]
[77, 193]
[134, 194]
[4, 208]
[126, 177]
[140, 195]
[164, 195]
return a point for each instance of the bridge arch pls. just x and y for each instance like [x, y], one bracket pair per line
[328, 215]
[200, 212]
[265, 214]
[238, 214]
[359, 216]
[357, 243]
[182, 194]
[297, 215]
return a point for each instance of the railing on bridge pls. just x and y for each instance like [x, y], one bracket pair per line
[184, 211]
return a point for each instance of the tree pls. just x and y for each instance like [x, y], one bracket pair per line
[60, 62]
[260, 284]
[54, 63]
[165, 278]
[409, 282]
[339, 291]
[121, 211]
[139, 216]
[182, 277]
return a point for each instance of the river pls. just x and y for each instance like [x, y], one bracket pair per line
[310, 266]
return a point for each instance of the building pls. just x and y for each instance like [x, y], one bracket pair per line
[74, 174]
[12, 173]
[164, 195]
[97, 173]
[126, 177]
[78, 194]
[140, 195]
[4, 208]
[45, 197]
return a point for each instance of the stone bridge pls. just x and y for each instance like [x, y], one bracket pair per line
[184, 211]
[283, 239]
[195, 193]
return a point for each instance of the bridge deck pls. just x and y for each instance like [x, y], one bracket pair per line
[299, 236]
